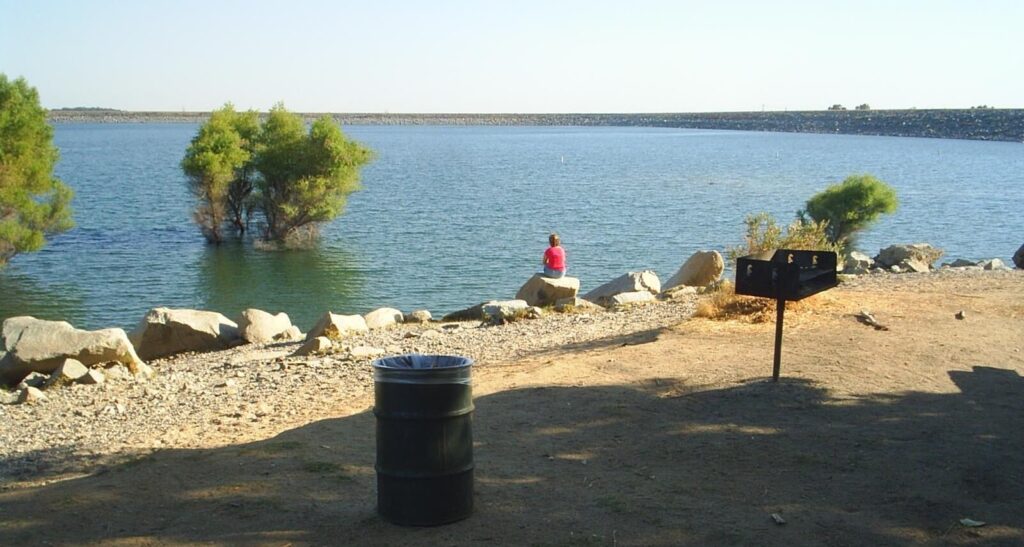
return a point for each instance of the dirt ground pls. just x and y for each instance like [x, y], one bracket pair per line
[667, 437]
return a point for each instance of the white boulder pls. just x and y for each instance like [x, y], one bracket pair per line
[167, 331]
[319, 344]
[333, 325]
[858, 263]
[418, 316]
[36, 345]
[68, 372]
[544, 291]
[382, 318]
[700, 270]
[502, 311]
[646, 280]
[259, 327]
[635, 297]
[291, 334]
[894, 255]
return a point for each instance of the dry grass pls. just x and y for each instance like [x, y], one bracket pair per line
[725, 305]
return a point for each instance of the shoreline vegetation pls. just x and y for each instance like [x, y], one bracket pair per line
[989, 124]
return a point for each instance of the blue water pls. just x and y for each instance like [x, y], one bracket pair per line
[451, 216]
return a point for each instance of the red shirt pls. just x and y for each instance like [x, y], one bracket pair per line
[554, 258]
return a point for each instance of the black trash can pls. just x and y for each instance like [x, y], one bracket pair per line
[424, 409]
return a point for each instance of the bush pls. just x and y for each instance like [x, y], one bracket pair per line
[33, 204]
[850, 206]
[764, 234]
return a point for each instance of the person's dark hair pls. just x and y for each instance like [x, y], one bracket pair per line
[554, 240]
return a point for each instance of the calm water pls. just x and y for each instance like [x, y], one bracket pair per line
[451, 216]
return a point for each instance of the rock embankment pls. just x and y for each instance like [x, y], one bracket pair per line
[974, 123]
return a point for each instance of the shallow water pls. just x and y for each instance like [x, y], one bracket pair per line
[451, 216]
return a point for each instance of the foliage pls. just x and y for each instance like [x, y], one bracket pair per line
[291, 178]
[764, 234]
[217, 166]
[850, 206]
[33, 204]
[864, 106]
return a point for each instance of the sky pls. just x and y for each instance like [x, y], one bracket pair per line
[527, 56]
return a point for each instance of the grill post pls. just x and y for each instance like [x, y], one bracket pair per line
[780, 310]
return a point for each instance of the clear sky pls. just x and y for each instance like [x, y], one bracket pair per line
[516, 56]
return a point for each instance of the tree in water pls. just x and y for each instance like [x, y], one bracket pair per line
[33, 204]
[218, 166]
[291, 178]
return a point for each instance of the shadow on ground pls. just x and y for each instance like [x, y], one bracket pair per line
[653, 463]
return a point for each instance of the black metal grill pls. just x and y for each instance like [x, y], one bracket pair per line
[785, 275]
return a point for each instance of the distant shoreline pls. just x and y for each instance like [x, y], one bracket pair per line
[987, 124]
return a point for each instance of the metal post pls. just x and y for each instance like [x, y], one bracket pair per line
[780, 309]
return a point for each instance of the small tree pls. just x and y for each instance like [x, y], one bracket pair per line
[33, 204]
[304, 177]
[763, 234]
[217, 163]
[850, 206]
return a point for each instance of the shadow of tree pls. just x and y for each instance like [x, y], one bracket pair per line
[646, 464]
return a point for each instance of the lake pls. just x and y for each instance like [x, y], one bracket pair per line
[452, 216]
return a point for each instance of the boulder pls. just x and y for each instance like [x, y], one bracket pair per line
[629, 282]
[336, 326]
[167, 331]
[92, 377]
[578, 304]
[35, 345]
[635, 297]
[857, 263]
[545, 291]
[961, 263]
[700, 270]
[1018, 257]
[68, 372]
[319, 344]
[382, 318]
[994, 264]
[895, 254]
[259, 327]
[472, 313]
[502, 311]
[418, 316]
[913, 265]
[291, 334]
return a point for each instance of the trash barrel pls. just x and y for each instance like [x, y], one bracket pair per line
[424, 410]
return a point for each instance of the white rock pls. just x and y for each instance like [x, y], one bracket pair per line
[9, 397]
[291, 334]
[500, 311]
[68, 372]
[858, 263]
[994, 264]
[646, 280]
[914, 265]
[700, 270]
[893, 255]
[635, 297]
[166, 331]
[545, 291]
[259, 327]
[336, 326]
[382, 318]
[93, 376]
[31, 395]
[319, 344]
[35, 345]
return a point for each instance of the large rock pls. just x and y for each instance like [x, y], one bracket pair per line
[503, 311]
[35, 345]
[259, 327]
[418, 316]
[382, 318]
[626, 298]
[472, 313]
[913, 265]
[895, 254]
[336, 326]
[700, 270]
[629, 282]
[576, 304]
[545, 291]
[857, 263]
[993, 264]
[1018, 257]
[166, 331]
[291, 334]
[319, 344]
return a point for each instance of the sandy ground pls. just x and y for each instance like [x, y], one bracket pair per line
[666, 437]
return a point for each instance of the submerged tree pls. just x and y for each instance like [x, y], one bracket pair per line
[850, 206]
[33, 204]
[293, 179]
[217, 163]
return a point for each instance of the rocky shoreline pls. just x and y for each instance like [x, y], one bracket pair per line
[973, 123]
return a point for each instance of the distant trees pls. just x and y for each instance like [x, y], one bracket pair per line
[864, 106]
[291, 179]
[837, 107]
[850, 206]
[33, 204]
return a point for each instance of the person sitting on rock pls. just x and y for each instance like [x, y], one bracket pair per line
[554, 258]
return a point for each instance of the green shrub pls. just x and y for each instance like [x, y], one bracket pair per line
[850, 206]
[764, 234]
